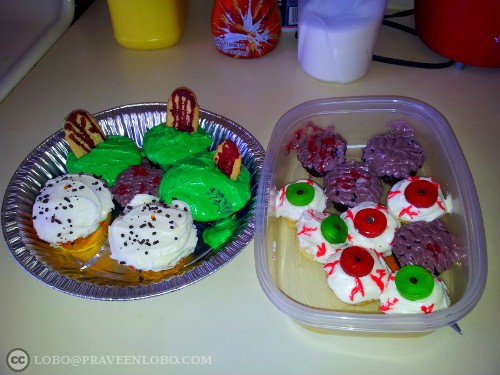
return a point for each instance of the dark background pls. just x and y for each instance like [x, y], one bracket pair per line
[80, 7]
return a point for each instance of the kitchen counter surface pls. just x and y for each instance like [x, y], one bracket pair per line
[224, 323]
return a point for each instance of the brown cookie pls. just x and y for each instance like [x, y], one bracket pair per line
[183, 110]
[82, 132]
[227, 157]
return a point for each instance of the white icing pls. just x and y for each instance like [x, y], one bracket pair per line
[381, 243]
[393, 303]
[69, 207]
[152, 236]
[354, 290]
[400, 207]
[287, 210]
[310, 238]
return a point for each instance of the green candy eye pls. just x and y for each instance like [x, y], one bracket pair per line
[414, 282]
[334, 229]
[300, 194]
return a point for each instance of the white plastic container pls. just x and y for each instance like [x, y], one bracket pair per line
[336, 38]
[296, 285]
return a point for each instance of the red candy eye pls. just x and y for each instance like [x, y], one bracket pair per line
[370, 222]
[356, 261]
[421, 193]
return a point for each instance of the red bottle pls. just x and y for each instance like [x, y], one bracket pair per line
[246, 28]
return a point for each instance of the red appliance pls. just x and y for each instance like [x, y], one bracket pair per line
[465, 31]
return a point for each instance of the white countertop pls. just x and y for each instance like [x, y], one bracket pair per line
[224, 323]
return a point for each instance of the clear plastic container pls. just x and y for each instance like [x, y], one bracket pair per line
[297, 286]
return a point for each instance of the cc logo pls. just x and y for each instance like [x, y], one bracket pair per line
[18, 359]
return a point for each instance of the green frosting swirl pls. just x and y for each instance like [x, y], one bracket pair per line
[165, 145]
[218, 234]
[107, 160]
[210, 194]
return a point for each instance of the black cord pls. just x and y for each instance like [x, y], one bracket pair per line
[410, 30]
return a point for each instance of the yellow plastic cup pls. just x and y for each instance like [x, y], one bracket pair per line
[147, 24]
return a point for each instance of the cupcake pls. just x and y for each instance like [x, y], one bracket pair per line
[72, 213]
[428, 245]
[179, 137]
[153, 238]
[318, 150]
[394, 155]
[165, 146]
[107, 159]
[417, 199]
[137, 179]
[207, 190]
[295, 198]
[352, 183]
[356, 275]
[370, 225]
[320, 234]
[414, 290]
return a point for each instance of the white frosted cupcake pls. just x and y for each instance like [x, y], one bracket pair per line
[356, 275]
[151, 236]
[370, 225]
[414, 290]
[320, 234]
[72, 212]
[295, 198]
[418, 199]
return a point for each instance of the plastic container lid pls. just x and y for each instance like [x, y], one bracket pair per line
[297, 286]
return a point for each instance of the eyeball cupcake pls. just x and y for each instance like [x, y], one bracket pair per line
[352, 183]
[370, 225]
[414, 290]
[356, 275]
[320, 234]
[295, 198]
[153, 238]
[394, 155]
[319, 150]
[418, 199]
[72, 212]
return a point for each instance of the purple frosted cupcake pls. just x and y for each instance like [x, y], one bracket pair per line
[137, 179]
[318, 150]
[352, 183]
[428, 245]
[394, 155]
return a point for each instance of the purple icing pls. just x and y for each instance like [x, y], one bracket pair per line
[352, 183]
[319, 150]
[428, 245]
[395, 154]
[137, 179]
